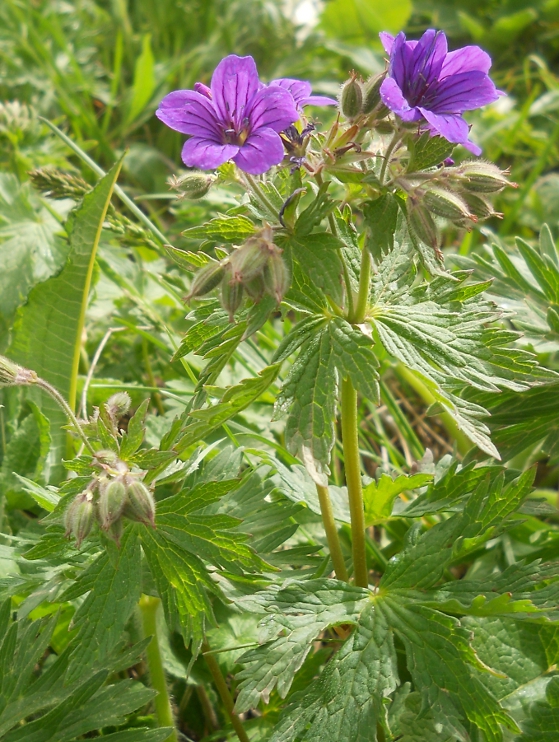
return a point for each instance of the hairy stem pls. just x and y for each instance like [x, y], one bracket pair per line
[331, 531]
[163, 710]
[388, 154]
[45, 386]
[352, 465]
[224, 693]
[260, 195]
[363, 295]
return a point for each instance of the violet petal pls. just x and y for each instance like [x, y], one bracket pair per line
[450, 126]
[261, 151]
[463, 92]
[272, 108]
[467, 59]
[234, 83]
[387, 41]
[190, 113]
[205, 155]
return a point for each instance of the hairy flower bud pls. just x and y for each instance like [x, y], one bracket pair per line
[351, 97]
[79, 517]
[249, 261]
[255, 288]
[13, 375]
[115, 531]
[205, 280]
[482, 177]
[480, 205]
[423, 225]
[276, 277]
[118, 404]
[140, 506]
[192, 185]
[231, 295]
[371, 94]
[112, 499]
[106, 457]
[446, 204]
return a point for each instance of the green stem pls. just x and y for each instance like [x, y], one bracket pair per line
[45, 386]
[352, 466]
[163, 710]
[363, 295]
[395, 139]
[331, 531]
[224, 693]
[259, 193]
[462, 441]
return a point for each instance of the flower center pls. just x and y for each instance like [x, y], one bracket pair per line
[236, 135]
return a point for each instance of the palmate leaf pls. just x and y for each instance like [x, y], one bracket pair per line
[446, 331]
[449, 674]
[185, 540]
[113, 584]
[59, 709]
[330, 350]
[47, 335]
[318, 256]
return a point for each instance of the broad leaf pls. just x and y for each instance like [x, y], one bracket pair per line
[47, 336]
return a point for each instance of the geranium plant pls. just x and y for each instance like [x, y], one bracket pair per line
[328, 601]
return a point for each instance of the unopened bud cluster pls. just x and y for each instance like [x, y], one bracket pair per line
[114, 493]
[460, 194]
[255, 268]
[358, 98]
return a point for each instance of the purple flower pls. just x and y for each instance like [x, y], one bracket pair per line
[426, 82]
[236, 118]
[301, 92]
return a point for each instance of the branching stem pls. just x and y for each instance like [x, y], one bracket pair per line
[260, 195]
[331, 531]
[352, 465]
[224, 693]
[164, 712]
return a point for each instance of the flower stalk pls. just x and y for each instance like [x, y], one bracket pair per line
[224, 692]
[331, 531]
[163, 710]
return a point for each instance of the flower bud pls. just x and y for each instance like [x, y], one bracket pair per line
[106, 457]
[231, 295]
[480, 205]
[205, 280]
[118, 405]
[423, 225]
[13, 375]
[79, 517]
[482, 177]
[140, 506]
[115, 531]
[371, 93]
[351, 97]
[255, 288]
[276, 277]
[192, 185]
[249, 261]
[446, 204]
[112, 499]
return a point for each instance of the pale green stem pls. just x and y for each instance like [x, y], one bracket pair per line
[388, 154]
[331, 531]
[363, 296]
[164, 712]
[224, 693]
[45, 386]
[350, 440]
[260, 195]
[352, 466]
[462, 441]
